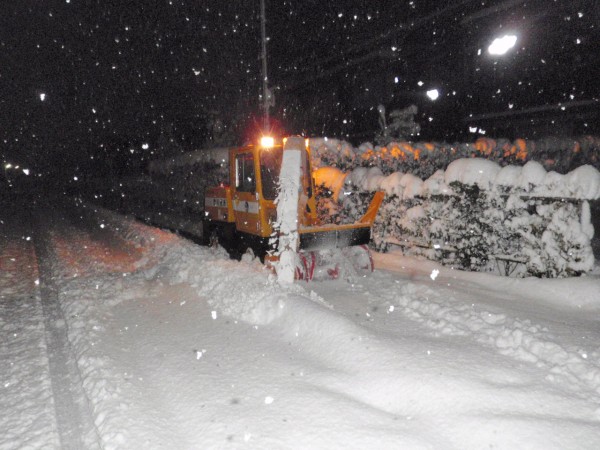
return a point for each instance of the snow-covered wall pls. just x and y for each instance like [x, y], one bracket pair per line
[582, 183]
[477, 215]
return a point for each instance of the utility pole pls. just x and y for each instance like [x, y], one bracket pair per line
[267, 99]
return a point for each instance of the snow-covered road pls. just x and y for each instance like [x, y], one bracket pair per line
[176, 346]
[27, 415]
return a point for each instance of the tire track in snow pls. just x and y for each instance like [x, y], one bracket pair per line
[74, 420]
[99, 257]
[27, 417]
[519, 339]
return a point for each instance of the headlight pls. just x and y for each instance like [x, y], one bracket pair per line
[267, 141]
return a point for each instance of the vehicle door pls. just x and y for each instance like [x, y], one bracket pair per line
[245, 197]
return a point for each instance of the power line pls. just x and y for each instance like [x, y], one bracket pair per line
[536, 109]
[402, 28]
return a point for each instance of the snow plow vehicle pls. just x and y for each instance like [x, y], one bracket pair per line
[243, 214]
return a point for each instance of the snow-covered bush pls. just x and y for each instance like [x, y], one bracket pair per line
[478, 216]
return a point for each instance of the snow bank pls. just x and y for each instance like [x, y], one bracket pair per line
[564, 294]
[245, 291]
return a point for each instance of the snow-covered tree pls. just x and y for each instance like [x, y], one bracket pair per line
[401, 126]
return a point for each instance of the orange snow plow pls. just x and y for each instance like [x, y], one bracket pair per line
[242, 215]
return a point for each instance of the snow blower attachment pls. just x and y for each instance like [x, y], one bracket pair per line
[270, 208]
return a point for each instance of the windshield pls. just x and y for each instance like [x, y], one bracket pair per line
[270, 166]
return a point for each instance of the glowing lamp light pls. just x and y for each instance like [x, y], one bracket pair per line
[502, 44]
[267, 141]
[433, 94]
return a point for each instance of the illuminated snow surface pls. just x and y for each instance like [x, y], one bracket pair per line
[179, 347]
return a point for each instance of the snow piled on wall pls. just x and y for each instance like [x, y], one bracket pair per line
[424, 158]
[582, 183]
[472, 171]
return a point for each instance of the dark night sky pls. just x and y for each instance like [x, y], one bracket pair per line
[118, 74]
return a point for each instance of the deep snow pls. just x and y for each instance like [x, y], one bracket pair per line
[180, 347]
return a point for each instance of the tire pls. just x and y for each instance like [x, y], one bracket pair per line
[207, 232]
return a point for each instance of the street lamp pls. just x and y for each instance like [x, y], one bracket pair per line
[433, 94]
[503, 44]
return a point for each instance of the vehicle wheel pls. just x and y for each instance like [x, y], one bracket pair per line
[208, 233]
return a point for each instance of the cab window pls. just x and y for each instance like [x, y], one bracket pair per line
[270, 166]
[245, 181]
